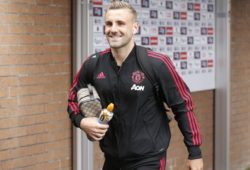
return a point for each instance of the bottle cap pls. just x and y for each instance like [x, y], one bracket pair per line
[110, 107]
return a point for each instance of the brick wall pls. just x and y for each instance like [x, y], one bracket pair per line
[177, 154]
[35, 54]
[240, 85]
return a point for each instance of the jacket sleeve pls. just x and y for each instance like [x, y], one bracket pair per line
[80, 81]
[177, 95]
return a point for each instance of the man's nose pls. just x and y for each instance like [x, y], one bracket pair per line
[114, 28]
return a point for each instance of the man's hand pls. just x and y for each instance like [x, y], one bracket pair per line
[195, 164]
[94, 130]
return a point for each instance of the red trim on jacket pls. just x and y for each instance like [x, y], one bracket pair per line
[184, 94]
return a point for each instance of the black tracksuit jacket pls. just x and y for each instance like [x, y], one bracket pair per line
[139, 127]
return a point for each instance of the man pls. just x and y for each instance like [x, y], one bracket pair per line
[138, 135]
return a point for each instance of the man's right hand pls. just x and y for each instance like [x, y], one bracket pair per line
[93, 129]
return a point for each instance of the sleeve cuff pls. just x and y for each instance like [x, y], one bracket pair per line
[77, 120]
[194, 152]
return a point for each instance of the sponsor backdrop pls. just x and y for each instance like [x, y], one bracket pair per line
[181, 29]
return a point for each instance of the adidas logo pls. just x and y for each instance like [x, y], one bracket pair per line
[101, 75]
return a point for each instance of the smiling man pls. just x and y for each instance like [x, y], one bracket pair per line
[120, 27]
[138, 136]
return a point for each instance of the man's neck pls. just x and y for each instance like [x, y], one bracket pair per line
[120, 54]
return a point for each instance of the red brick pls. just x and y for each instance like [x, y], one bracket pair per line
[8, 81]
[3, 28]
[38, 80]
[25, 59]
[33, 99]
[21, 111]
[23, 161]
[24, 39]
[66, 163]
[31, 109]
[17, 19]
[4, 50]
[58, 135]
[65, 143]
[26, 49]
[26, 9]
[4, 8]
[64, 3]
[51, 20]
[31, 69]
[19, 1]
[26, 90]
[22, 152]
[21, 141]
[22, 131]
[239, 149]
[62, 123]
[24, 120]
[7, 71]
[18, 8]
[59, 97]
[44, 2]
[60, 39]
[8, 102]
[27, 28]
[4, 92]
[54, 10]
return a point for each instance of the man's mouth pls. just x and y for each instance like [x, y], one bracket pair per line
[114, 37]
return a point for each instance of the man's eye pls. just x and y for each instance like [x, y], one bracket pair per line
[120, 23]
[108, 24]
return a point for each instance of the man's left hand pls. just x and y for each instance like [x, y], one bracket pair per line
[195, 164]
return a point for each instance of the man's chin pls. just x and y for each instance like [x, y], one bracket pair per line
[113, 45]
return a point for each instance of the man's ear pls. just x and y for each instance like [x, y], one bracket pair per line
[135, 27]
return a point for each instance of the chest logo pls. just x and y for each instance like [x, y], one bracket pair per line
[101, 75]
[138, 77]
[137, 88]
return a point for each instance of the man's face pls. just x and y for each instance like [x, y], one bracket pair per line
[120, 26]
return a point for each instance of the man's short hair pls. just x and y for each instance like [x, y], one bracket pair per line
[119, 4]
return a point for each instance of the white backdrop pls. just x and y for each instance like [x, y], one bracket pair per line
[184, 30]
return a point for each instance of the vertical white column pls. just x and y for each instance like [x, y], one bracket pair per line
[82, 148]
[222, 81]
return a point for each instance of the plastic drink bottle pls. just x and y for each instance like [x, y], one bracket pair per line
[106, 114]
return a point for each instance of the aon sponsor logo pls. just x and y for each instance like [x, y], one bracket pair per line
[137, 88]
